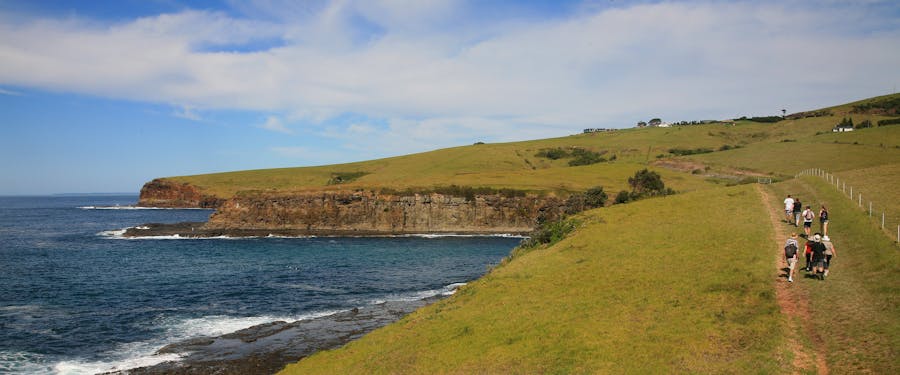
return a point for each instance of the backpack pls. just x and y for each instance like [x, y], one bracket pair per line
[823, 215]
[808, 215]
[790, 250]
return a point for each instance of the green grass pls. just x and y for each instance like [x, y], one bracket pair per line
[657, 286]
[788, 158]
[515, 165]
[879, 186]
[856, 312]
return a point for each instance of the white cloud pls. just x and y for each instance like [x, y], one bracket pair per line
[187, 112]
[9, 92]
[275, 124]
[502, 79]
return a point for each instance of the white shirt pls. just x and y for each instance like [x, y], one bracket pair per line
[789, 204]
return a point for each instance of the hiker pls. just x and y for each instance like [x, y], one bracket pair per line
[808, 216]
[798, 207]
[791, 254]
[807, 253]
[823, 220]
[818, 256]
[788, 207]
[829, 253]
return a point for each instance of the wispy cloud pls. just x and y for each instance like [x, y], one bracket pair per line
[9, 92]
[275, 124]
[431, 69]
[187, 112]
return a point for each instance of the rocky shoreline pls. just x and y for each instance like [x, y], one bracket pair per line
[267, 348]
[200, 230]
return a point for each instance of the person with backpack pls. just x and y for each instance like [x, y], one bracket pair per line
[807, 253]
[818, 257]
[823, 220]
[808, 216]
[798, 207]
[788, 207]
[830, 252]
[791, 247]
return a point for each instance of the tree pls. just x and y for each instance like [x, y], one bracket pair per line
[595, 197]
[645, 182]
[655, 122]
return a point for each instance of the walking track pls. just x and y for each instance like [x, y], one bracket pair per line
[792, 297]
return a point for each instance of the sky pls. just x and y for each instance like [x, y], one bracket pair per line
[103, 96]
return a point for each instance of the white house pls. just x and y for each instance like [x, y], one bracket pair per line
[842, 128]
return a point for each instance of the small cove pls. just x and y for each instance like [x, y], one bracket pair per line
[77, 301]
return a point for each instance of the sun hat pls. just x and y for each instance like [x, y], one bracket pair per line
[817, 238]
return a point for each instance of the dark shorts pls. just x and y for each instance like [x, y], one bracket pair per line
[827, 261]
[807, 224]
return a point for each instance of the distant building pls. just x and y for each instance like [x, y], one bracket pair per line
[842, 128]
[664, 125]
[597, 130]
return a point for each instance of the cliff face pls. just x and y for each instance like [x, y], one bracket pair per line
[371, 212]
[165, 193]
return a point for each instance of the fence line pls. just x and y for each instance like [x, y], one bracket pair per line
[841, 186]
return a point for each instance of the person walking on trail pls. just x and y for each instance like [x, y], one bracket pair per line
[807, 252]
[798, 208]
[823, 220]
[818, 257]
[788, 207]
[808, 216]
[791, 253]
[829, 253]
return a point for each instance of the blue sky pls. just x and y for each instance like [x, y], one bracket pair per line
[102, 96]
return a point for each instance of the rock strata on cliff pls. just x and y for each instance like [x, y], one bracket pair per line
[170, 194]
[365, 211]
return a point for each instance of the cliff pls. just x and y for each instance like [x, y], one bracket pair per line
[370, 212]
[165, 193]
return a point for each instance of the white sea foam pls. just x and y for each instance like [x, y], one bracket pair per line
[117, 207]
[423, 294]
[142, 354]
[119, 234]
[445, 235]
[14, 362]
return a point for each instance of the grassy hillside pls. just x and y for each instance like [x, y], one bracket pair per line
[778, 149]
[657, 286]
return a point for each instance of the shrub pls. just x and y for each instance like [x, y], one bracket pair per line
[646, 183]
[552, 153]
[344, 177]
[585, 157]
[549, 233]
[767, 119]
[623, 197]
[682, 151]
[891, 121]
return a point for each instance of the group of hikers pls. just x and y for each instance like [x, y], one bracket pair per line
[818, 250]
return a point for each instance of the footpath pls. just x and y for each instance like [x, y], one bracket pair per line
[804, 341]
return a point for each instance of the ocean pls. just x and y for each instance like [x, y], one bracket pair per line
[77, 298]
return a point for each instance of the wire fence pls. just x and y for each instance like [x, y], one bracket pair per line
[842, 186]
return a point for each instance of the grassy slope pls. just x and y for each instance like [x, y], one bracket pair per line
[878, 185]
[514, 165]
[856, 310]
[677, 288]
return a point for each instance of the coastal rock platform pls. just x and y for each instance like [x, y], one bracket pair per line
[267, 348]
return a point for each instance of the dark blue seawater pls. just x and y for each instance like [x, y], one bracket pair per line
[76, 298]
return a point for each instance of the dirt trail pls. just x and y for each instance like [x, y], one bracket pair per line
[791, 297]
